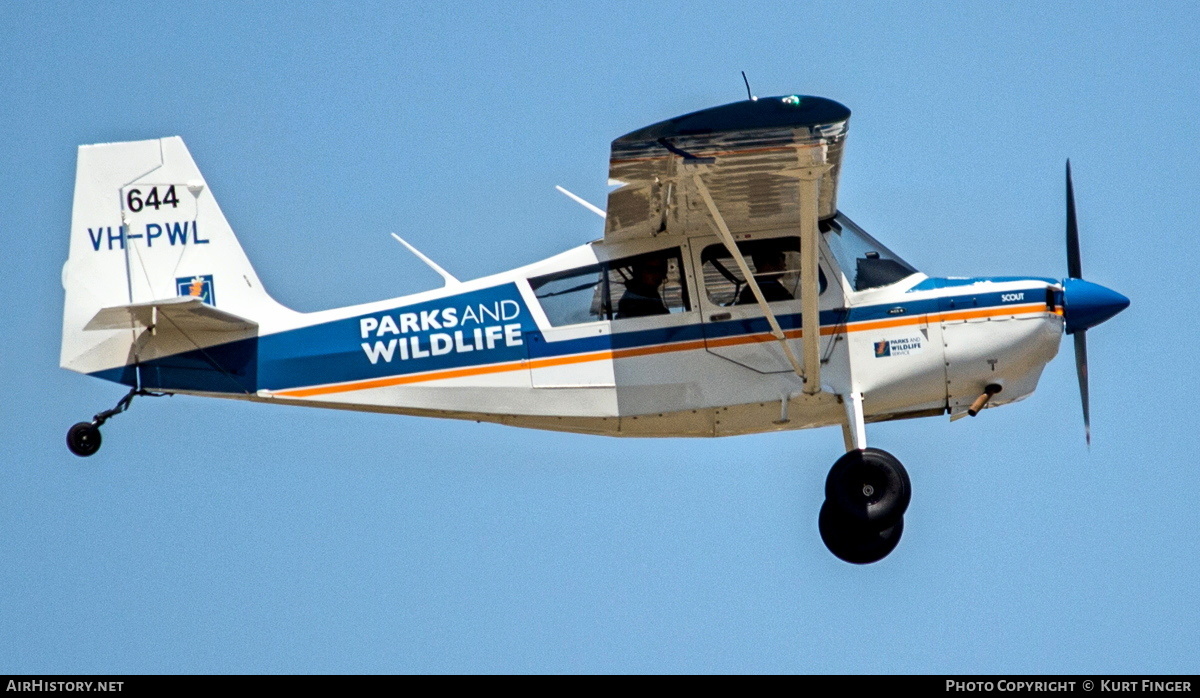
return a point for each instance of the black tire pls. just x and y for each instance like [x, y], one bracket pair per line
[83, 439]
[853, 541]
[870, 486]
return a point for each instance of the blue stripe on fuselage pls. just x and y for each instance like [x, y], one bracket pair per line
[934, 283]
[333, 352]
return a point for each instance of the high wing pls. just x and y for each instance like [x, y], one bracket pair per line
[748, 153]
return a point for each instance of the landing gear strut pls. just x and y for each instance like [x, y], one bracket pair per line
[84, 437]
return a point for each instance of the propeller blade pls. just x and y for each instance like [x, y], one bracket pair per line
[1081, 369]
[1074, 266]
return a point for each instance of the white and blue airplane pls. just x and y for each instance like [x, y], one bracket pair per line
[728, 296]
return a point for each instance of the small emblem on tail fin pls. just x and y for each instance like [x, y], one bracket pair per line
[199, 286]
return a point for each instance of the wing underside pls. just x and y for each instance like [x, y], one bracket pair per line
[748, 152]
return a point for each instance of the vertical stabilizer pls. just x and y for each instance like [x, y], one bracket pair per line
[145, 227]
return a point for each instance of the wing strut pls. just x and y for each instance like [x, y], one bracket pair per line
[727, 238]
[808, 176]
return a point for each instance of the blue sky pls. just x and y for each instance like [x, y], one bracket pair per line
[213, 536]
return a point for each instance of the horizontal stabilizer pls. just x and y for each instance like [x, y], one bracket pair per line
[184, 313]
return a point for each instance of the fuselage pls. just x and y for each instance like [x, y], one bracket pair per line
[558, 345]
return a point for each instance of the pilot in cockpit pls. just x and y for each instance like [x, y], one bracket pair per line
[642, 290]
[769, 266]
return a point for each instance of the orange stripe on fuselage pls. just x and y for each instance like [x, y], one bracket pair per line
[757, 338]
[658, 349]
[401, 380]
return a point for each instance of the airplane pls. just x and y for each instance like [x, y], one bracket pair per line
[729, 295]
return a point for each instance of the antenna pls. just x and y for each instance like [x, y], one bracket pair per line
[749, 95]
[582, 202]
[447, 277]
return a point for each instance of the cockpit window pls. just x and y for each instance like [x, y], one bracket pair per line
[574, 296]
[649, 284]
[775, 264]
[645, 285]
[865, 262]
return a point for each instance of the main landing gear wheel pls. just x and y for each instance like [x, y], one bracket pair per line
[866, 495]
[870, 486]
[83, 439]
[856, 542]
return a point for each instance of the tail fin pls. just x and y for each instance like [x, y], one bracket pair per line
[145, 228]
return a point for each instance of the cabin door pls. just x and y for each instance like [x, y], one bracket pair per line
[734, 325]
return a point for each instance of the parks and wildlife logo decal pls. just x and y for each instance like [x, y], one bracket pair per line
[199, 286]
[899, 347]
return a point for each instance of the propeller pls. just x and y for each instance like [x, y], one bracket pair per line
[1082, 371]
[1074, 266]
[1085, 304]
[1075, 271]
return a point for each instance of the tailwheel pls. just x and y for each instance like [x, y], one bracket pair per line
[83, 439]
[854, 541]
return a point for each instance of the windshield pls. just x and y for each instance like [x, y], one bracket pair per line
[866, 263]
